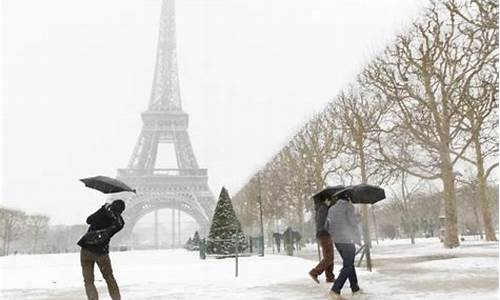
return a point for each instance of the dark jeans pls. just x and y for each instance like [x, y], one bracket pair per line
[347, 252]
[326, 264]
[88, 260]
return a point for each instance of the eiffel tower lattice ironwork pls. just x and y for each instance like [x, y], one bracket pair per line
[184, 188]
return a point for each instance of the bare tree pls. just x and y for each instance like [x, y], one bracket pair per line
[299, 170]
[358, 117]
[390, 215]
[409, 104]
[469, 182]
[422, 212]
[12, 224]
[296, 188]
[37, 226]
[319, 145]
[481, 14]
[279, 189]
[63, 238]
[480, 94]
[423, 76]
[485, 146]
[406, 203]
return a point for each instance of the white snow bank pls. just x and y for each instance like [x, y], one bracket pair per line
[161, 266]
[402, 271]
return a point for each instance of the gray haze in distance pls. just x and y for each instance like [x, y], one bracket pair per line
[77, 75]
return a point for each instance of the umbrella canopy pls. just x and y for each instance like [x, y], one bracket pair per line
[363, 193]
[106, 184]
[327, 193]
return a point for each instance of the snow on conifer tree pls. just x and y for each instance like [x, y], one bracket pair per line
[225, 228]
[196, 239]
[188, 244]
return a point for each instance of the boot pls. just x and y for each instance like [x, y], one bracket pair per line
[359, 292]
[314, 276]
[335, 296]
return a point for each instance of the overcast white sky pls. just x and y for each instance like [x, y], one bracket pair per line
[77, 74]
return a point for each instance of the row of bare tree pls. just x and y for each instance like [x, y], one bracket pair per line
[418, 213]
[30, 234]
[16, 224]
[424, 109]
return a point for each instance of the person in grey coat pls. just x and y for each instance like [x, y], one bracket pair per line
[342, 224]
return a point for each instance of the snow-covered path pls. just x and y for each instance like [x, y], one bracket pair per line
[402, 271]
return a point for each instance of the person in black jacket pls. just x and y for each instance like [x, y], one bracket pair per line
[325, 241]
[322, 202]
[104, 223]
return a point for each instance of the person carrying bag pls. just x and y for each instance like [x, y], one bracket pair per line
[104, 223]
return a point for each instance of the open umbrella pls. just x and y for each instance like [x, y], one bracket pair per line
[327, 193]
[363, 193]
[106, 184]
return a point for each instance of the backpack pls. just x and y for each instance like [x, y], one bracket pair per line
[95, 238]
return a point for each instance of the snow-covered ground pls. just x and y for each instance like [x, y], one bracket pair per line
[402, 271]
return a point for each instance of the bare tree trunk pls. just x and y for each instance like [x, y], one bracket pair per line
[475, 204]
[374, 219]
[8, 247]
[301, 219]
[489, 231]
[450, 207]
[406, 213]
[412, 232]
[366, 237]
[366, 229]
[479, 226]
[35, 240]
[4, 247]
[6, 237]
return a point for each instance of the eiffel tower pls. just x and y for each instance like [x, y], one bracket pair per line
[184, 188]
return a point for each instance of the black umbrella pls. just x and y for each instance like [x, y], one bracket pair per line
[106, 184]
[327, 193]
[363, 193]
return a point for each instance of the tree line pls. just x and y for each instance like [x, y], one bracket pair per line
[420, 215]
[424, 110]
[21, 233]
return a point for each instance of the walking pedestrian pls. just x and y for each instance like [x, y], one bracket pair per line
[342, 225]
[104, 223]
[288, 241]
[277, 240]
[326, 264]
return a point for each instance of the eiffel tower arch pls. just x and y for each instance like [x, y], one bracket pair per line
[184, 188]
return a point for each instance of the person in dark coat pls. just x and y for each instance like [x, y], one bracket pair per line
[342, 224]
[326, 264]
[104, 223]
[277, 240]
[289, 240]
[321, 205]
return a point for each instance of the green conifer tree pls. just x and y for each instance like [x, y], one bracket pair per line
[196, 239]
[225, 228]
[188, 244]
